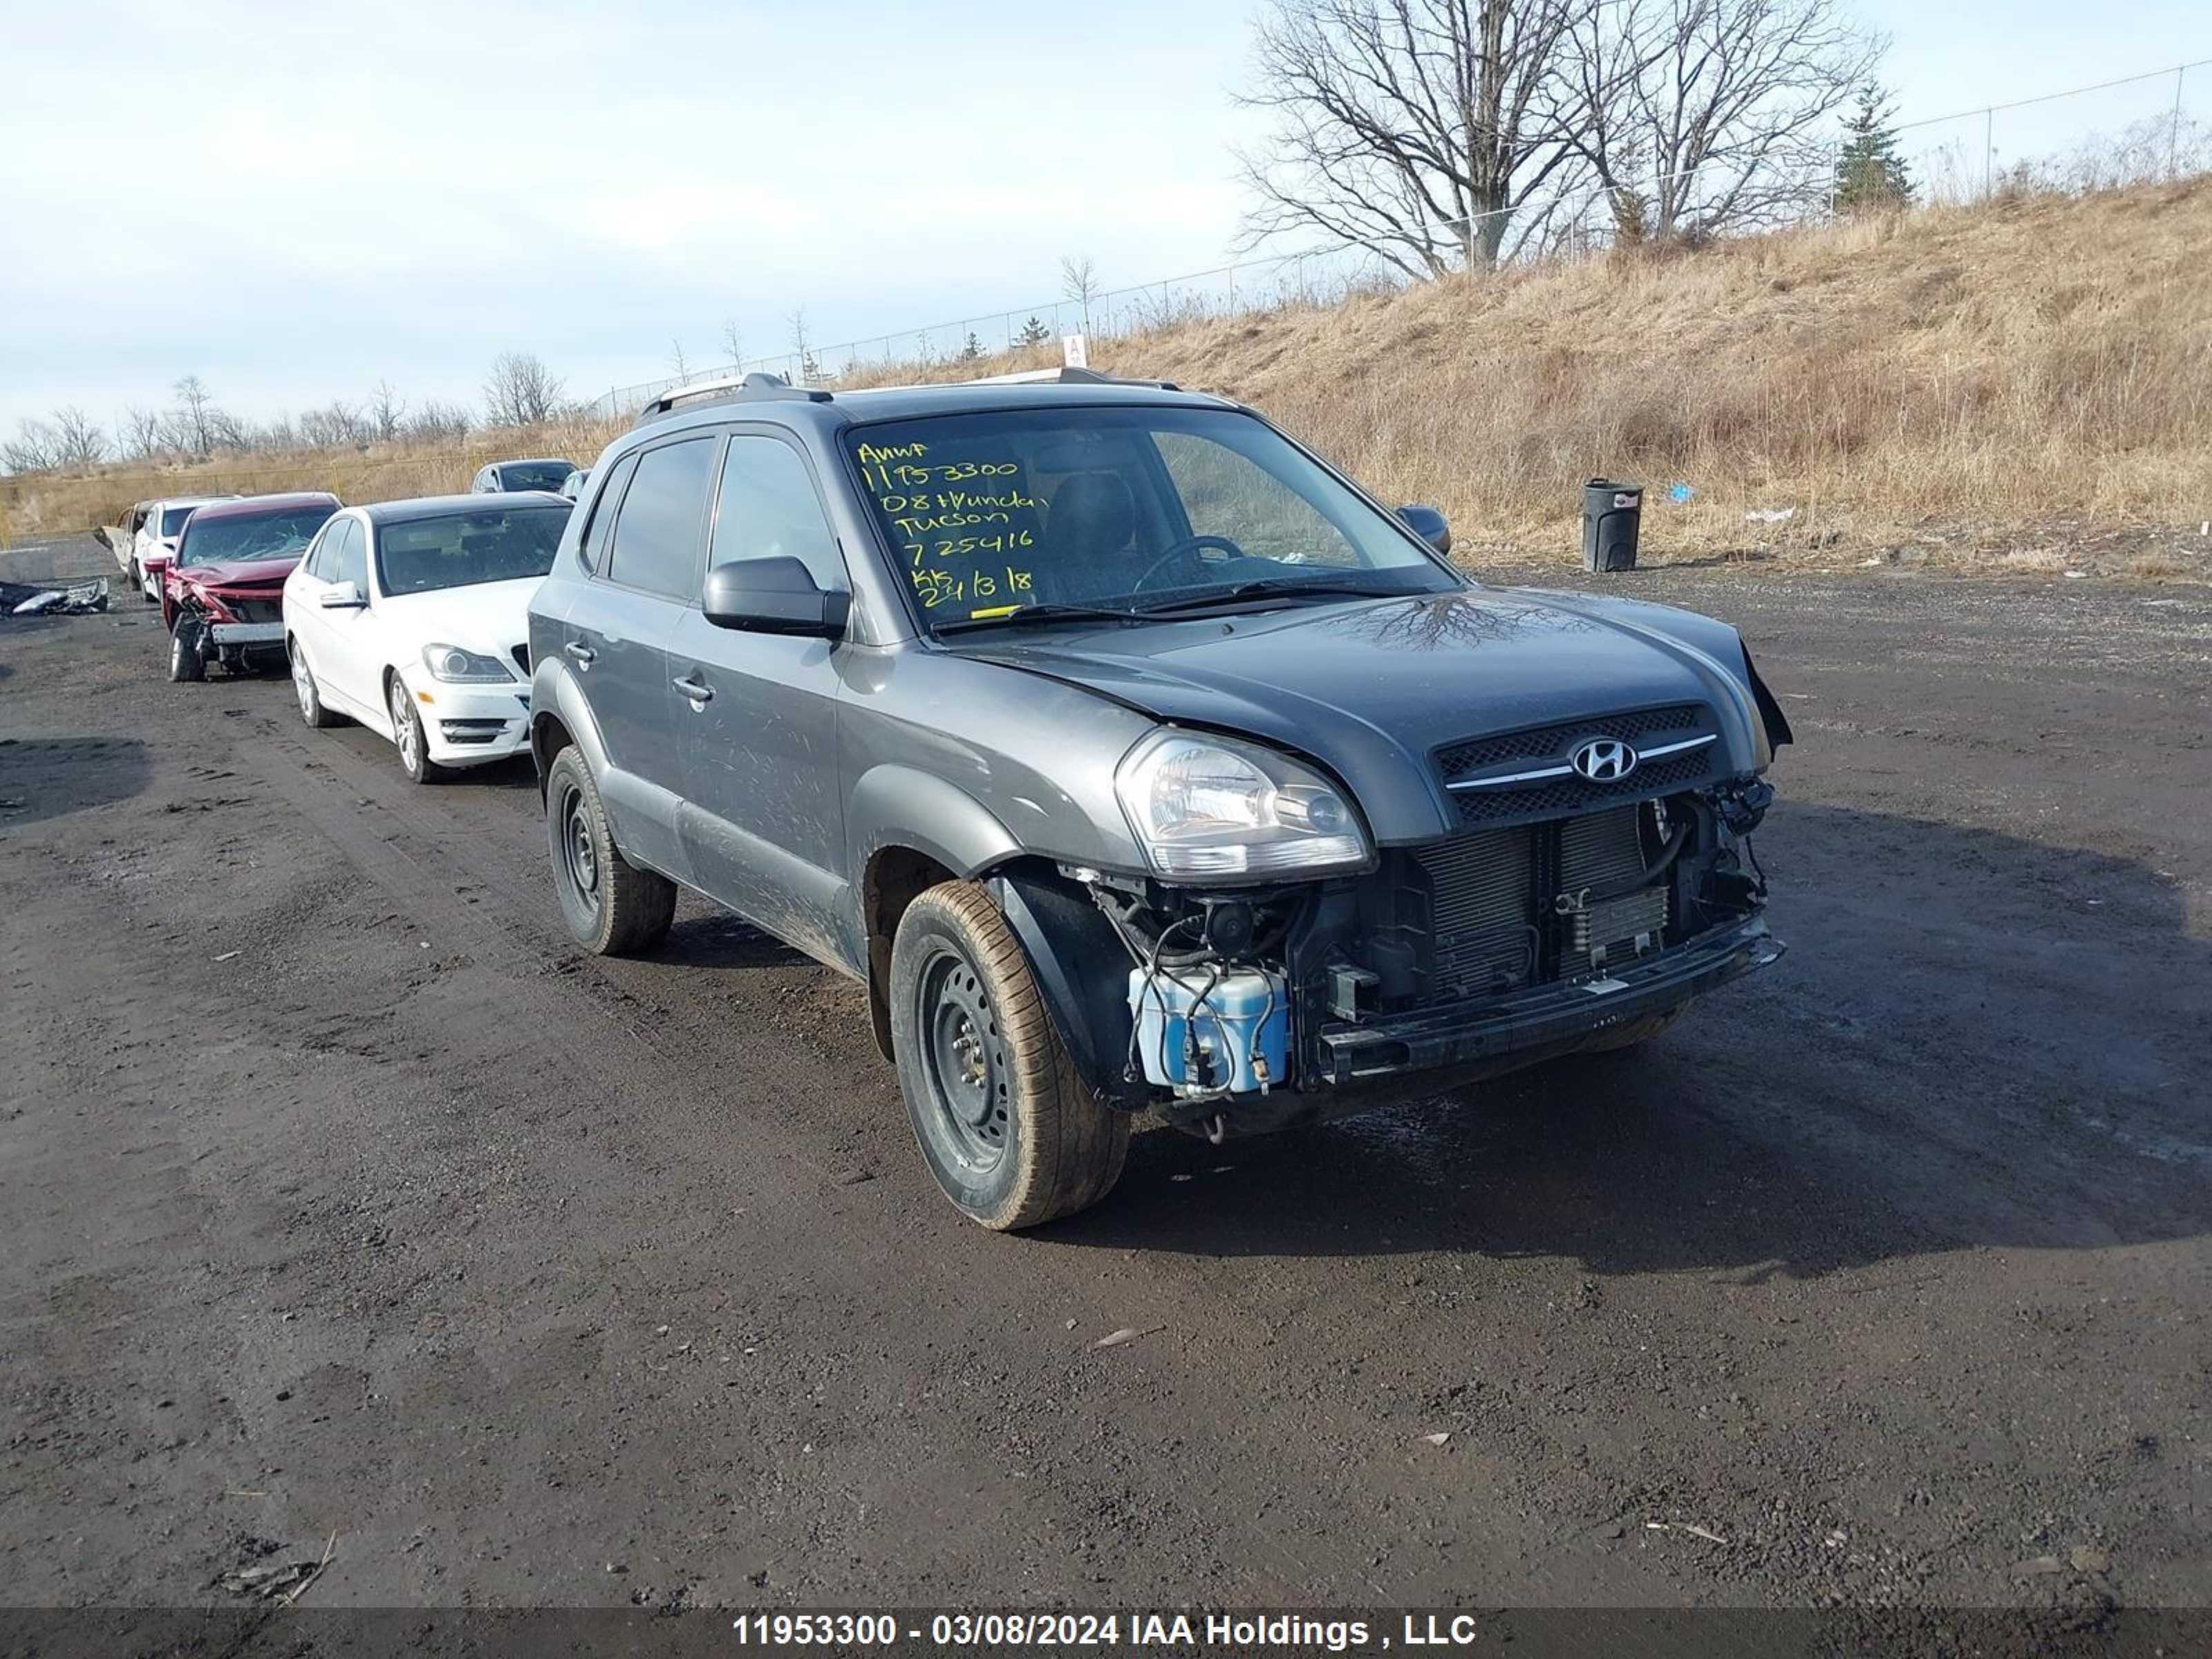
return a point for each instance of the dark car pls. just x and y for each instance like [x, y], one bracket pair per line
[1132, 757]
[545, 472]
[222, 595]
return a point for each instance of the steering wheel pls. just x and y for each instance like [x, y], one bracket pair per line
[1187, 548]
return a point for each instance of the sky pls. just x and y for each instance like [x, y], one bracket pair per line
[294, 201]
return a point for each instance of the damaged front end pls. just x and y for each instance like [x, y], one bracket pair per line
[239, 624]
[1564, 912]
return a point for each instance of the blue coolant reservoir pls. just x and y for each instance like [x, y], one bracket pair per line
[1239, 1022]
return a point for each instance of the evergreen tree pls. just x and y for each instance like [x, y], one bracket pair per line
[971, 349]
[1870, 175]
[1034, 332]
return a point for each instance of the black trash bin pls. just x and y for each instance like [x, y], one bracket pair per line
[1612, 513]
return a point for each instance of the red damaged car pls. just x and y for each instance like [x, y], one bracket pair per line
[222, 595]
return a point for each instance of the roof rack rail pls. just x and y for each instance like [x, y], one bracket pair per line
[729, 388]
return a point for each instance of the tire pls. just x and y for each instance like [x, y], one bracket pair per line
[303, 686]
[612, 908]
[408, 736]
[1635, 1032]
[187, 651]
[1007, 1125]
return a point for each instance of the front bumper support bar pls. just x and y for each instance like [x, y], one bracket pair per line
[1545, 1017]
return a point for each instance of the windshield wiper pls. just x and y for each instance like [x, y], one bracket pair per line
[1276, 587]
[1032, 615]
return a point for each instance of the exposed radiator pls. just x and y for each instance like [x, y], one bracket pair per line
[1481, 889]
[1605, 850]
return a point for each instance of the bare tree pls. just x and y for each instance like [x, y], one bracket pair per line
[142, 432]
[1078, 282]
[1412, 128]
[733, 342]
[802, 348]
[1716, 112]
[677, 361]
[35, 448]
[337, 423]
[438, 423]
[522, 390]
[77, 441]
[194, 431]
[387, 412]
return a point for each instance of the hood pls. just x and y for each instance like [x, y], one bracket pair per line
[490, 618]
[241, 572]
[1372, 688]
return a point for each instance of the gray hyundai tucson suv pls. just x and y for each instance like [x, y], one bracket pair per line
[1132, 757]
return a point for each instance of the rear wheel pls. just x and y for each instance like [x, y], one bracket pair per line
[408, 735]
[188, 650]
[1006, 1124]
[612, 908]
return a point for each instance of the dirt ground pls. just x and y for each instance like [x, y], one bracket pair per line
[343, 1195]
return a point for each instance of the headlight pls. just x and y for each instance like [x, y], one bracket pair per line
[1204, 806]
[453, 665]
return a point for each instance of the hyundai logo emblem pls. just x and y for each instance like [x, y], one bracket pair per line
[1603, 760]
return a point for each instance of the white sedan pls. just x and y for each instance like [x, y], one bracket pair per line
[413, 618]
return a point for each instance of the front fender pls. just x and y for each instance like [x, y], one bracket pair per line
[895, 806]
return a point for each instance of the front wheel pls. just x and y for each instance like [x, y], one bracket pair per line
[414, 745]
[612, 908]
[310, 695]
[187, 651]
[1006, 1124]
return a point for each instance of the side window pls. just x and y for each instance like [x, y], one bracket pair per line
[591, 546]
[769, 510]
[1223, 494]
[353, 557]
[317, 563]
[658, 531]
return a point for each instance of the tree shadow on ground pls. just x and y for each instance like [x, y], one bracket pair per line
[43, 778]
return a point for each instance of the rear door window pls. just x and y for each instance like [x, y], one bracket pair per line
[660, 528]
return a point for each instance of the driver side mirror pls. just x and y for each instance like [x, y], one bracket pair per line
[342, 596]
[1429, 525]
[773, 596]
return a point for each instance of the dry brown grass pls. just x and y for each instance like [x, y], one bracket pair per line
[1959, 379]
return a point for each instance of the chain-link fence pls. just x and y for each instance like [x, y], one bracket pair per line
[2144, 127]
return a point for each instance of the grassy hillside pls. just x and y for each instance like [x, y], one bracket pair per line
[2013, 385]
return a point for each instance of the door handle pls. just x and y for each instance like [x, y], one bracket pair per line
[582, 654]
[697, 690]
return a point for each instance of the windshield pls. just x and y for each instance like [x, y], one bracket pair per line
[172, 519]
[271, 535]
[1123, 508]
[419, 555]
[534, 475]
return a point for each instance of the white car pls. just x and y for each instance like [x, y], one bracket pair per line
[412, 618]
[155, 543]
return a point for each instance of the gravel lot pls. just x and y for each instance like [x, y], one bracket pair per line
[342, 1195]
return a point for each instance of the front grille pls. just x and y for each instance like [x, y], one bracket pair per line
[1492, 917]
[254, 610]
[1477, 771]
[1548, 742]
[1553, 797]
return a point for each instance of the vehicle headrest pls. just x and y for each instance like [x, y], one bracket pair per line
[1092, 514]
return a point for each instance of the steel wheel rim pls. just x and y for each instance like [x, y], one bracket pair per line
[407, 731]
[579, 849]
[964, 1061]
